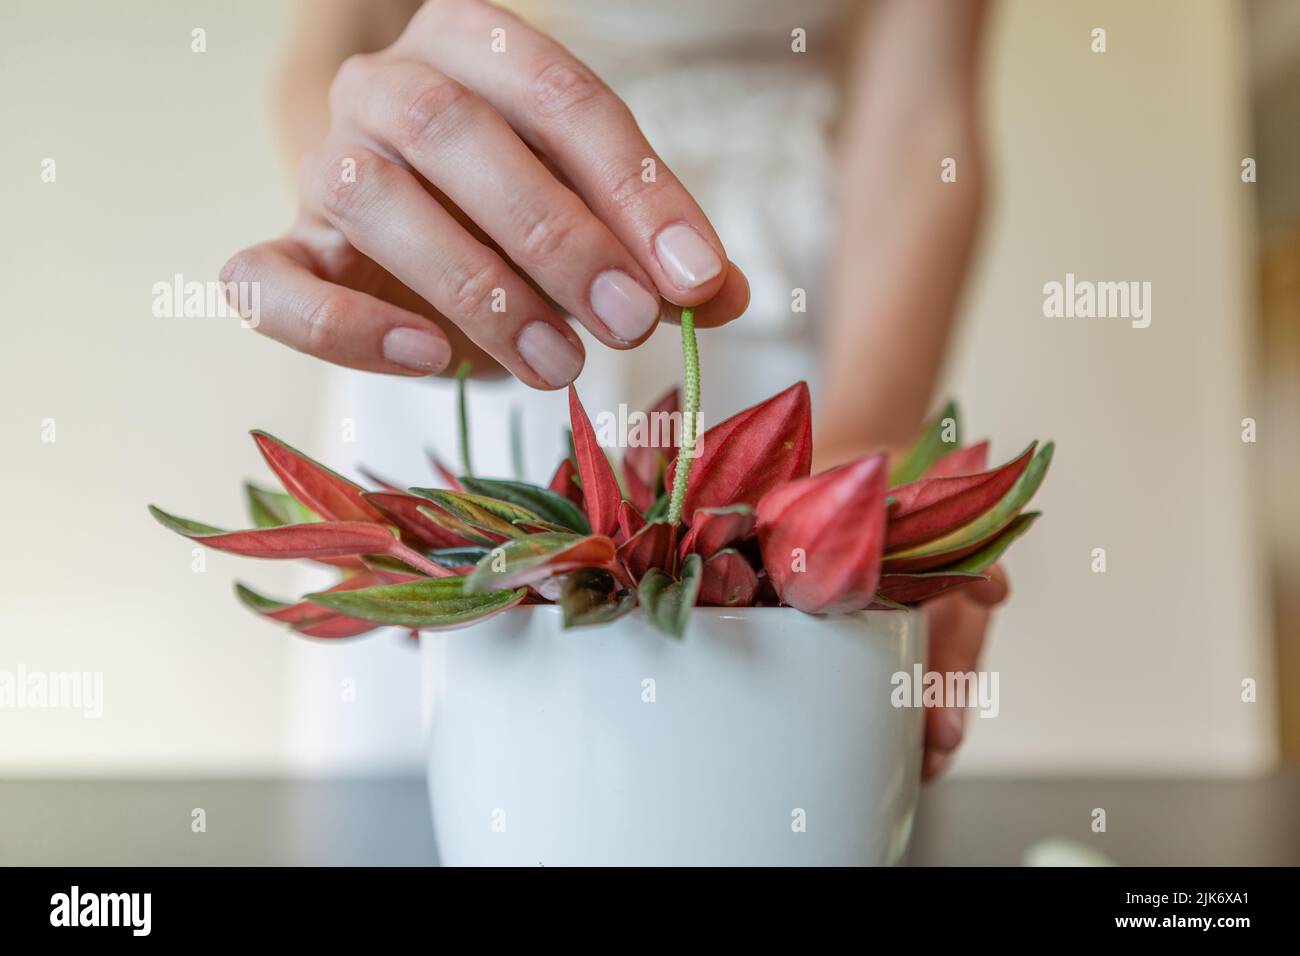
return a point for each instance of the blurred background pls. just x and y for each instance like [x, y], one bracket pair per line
[1125, 166]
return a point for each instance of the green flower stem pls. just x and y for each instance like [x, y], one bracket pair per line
[462, 373]
[690, 419]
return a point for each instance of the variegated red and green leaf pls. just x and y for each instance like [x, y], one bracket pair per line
[931, 507]
[315, 620]
[553, 509]
[667, 601]
[409, 513]
[536, 557]
[974, 535]
[591, 597]
[322, 539]
[429, 604]
[600, 491]
[485, 515]
[325, 492]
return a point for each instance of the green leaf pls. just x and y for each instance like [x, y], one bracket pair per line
[590, 597]
[458, 557]
[316, 539]
[480, 511]
[537, 557]
[929, 448]
[668, 603]
[462, 406]
[455, 526]
[690, 418]
[517, 442]
[539, 502]
[258, 603]
[183, 525]
[991, 521]
[659, 510]
[431, 603]
[537, 526]
[985, 556]
[270, 509]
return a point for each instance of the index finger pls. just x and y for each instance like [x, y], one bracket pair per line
[560, 108]
[991, 592]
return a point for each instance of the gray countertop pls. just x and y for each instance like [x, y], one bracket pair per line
[386, 821]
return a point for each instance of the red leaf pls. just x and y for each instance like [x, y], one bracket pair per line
[914, 588]
[643, 463]
[751, 453]
[650, 547]
[563, 483]
[930, 562]
[337, 625]
[713, 529]
[528, 561]
[321, 539]
[629, 521]
[377, 481]
[328, 494]
[402, 510]
[443, 471]
[930, 507]
[822, 537]
[313, 620]
[962, 461]
[727, 581]
[599, 486]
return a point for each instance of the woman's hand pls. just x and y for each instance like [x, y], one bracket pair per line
[477, 183]
[957, 625]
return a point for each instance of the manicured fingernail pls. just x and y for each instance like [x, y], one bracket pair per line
[685, 256]
[417, 350]
[950, 729]
[549, 353]
[623, 304]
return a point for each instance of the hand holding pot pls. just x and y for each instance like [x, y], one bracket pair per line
[958, 623]
[477, 182]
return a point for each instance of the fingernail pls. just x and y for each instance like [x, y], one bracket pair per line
[684, 254]
[549, 353]
[950, 729]
[416, 349]
[623, 304]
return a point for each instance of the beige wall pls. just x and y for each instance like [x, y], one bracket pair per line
[1118, 166]
[165, 163]
[1124, 165]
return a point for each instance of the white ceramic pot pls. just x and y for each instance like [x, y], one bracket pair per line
[767, 736]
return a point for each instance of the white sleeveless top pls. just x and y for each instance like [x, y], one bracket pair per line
[744, 122]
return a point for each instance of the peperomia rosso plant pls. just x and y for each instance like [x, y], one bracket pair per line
[729, 518]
